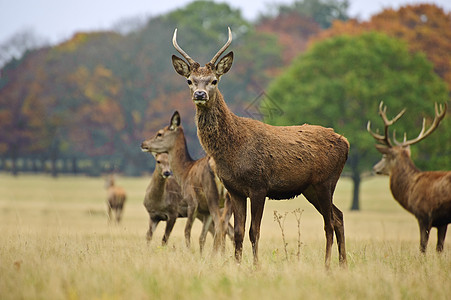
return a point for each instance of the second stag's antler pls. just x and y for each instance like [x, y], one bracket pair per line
[192, 61]
[440, 112]
[384, 139]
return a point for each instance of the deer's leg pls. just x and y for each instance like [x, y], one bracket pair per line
[340, 235]
[118, 214]
[441, 234]
[257, 206]
[192, 211]
[167, 232]
[320, 197]
[212, 198]
[109, 212]
[230, 232]
[206, 225]
[226, 214]
[152, 226]
[239, 207]
[425, 228]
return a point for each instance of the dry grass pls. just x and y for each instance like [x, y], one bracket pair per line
[55, 243]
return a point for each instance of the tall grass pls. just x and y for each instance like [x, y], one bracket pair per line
[55, 243]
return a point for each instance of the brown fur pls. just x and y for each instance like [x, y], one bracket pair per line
[427, 195]
[115, 199]
[257, 160]
[195, 177]
[164, 202]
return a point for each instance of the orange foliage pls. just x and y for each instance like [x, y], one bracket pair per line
[293, 32]
[425, 27]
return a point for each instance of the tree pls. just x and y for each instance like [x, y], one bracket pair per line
[339, 82]
[425, 27]
[323, 12]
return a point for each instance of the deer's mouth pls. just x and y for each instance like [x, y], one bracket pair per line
[200, 101]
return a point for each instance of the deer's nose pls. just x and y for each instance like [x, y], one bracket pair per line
[200, 95]
[144, 147]
[166, 174]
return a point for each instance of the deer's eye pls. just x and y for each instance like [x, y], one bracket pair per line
[159, 134]
[214, 82]
[158, 162]
[189, 82]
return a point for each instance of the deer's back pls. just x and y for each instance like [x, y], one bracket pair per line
[116, 196]
[284, 160]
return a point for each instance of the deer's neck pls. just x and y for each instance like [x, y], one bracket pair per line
[402, 178]
[158, 182]
[217, 128]
[179, 158]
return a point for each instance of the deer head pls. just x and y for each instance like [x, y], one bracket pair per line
[165, 138]
[162, 164]
[109, 181]
[202, 81]
[393, 150]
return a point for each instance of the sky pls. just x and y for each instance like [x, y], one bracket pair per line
[57, 20]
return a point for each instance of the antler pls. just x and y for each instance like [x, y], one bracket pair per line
[227, 44]
[180, 50]
[440, 113]
[383, 113]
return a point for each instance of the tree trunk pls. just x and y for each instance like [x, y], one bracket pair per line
[356, 179]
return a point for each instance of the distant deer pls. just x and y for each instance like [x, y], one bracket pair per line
[257, 160]
[115, 198]
[196, 178]
[427, 195]
[164, 202]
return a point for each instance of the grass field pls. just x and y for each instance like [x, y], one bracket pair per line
[55, 243]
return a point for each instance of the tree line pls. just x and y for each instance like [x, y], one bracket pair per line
[85, 105]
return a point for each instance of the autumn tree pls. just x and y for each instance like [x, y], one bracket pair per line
[425, 27]
[339, 83]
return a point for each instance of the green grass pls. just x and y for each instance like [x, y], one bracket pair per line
[55, 243]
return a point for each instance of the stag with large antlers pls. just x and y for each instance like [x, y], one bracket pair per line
[257, 160]
[427, 195]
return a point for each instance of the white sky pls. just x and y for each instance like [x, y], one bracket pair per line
[58, 20]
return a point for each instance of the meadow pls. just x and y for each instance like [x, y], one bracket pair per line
[56, 243]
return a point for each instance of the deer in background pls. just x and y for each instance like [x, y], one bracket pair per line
[164, 202]
[196, 178]
[257, 160]
[427, 195]
[115, 198]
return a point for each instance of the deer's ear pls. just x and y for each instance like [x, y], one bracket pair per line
[224, 64]
[181, 66]
[175, 121]
[382, 148]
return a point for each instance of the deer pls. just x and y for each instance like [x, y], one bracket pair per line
[164, 202]
[116, 197]
[427, 194]
[162, 198]
[257, 161]
[196, 178]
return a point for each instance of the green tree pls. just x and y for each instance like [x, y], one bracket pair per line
[324, 12]
[339, 83]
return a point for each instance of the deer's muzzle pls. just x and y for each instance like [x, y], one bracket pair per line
[200, 97]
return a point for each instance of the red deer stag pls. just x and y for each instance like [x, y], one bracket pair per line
[115, 198]
[163, 202]
[427, 195]
[195, 177]
[257, 160]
